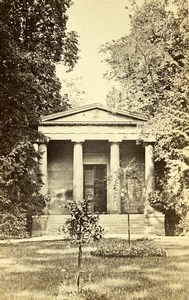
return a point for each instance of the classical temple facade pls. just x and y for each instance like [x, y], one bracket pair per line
[97, 154]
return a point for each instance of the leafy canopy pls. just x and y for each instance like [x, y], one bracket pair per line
[33, 38]
[151, 64]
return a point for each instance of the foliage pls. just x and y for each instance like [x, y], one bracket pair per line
[129, 177]
[175, 209]
[121, 248]
[151, 64]
[19, 170]
[82, 227]
[12, 225]
[183, 226]
[132, 183]
[161, 202]
[72, 89]
[114, 99]
[33, 37]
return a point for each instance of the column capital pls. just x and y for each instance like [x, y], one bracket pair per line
[148, 144]
[149, 141]
[78, 141]
[115, 141]
[42, 146]
[43, 142]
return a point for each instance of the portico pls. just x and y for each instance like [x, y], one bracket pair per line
[87, 147]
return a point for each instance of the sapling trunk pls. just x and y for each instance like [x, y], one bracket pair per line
[79, 264]
[129, 232]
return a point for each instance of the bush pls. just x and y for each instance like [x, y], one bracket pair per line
[12, 226]
[120, 248]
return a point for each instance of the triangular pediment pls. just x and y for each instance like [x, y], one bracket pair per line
[93, 114]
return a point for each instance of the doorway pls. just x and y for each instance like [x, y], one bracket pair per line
[95, 187]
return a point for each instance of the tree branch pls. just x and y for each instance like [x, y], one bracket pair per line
[149, 70]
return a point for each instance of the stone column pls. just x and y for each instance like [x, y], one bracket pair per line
[149, 178]
[114, 201]
[149, 170]
[155, 219]
[43, 167]
[78, 171]
[36, 147]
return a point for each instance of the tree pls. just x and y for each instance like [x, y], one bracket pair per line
[33, 38]
[129, 180]
[82, 227]
[151, 64]
[114, 99]
[73, 91]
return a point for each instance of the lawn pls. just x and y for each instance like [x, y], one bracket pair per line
[40, 270]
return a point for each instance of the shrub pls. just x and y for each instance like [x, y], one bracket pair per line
[12, 226]
[121, 248]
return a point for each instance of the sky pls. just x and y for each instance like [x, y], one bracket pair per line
[96, 22]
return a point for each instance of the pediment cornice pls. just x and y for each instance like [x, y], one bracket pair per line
[93, 114]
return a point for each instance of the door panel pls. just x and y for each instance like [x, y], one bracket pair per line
[89, 187]
[89, 176]
[95, 187]
[100, 190]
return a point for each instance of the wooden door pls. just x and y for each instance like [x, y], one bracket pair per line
[95, 187]
[89, 186]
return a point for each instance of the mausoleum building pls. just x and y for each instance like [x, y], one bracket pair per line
[97, 154]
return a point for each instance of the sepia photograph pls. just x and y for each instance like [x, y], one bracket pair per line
[94, 149]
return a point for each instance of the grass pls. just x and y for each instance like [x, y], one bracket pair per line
[41, 270]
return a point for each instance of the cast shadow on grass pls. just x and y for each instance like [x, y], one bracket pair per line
[32, 271]
[131, 278]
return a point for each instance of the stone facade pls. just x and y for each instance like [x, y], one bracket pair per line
[88, 150]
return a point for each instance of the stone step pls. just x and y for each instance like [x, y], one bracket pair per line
[103, 225]
[102, 222]
[105, 222]
[54, 224]
[113, 224]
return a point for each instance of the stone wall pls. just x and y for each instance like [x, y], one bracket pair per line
[60, 175]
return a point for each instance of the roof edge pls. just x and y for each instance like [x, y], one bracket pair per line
[89, 107]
